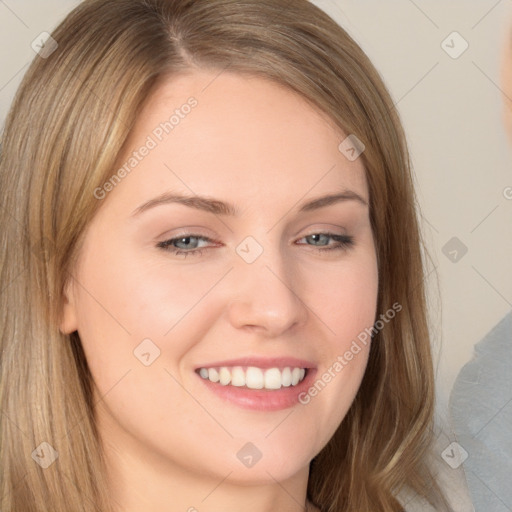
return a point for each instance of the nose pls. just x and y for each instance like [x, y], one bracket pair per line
[266, 296]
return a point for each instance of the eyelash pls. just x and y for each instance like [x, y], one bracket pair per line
[345, 242]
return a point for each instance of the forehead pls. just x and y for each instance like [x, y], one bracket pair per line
[244, 136]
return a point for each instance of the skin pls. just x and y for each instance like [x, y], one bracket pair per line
[171, 443]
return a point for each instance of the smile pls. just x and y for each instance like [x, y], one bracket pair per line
[252, 377]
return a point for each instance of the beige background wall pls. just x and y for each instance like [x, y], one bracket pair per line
[452, 111]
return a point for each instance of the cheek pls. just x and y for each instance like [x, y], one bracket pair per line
[138, 318]
[345, 300]
[351, 303]
[125, 299]
[344, 297]
[137, 321]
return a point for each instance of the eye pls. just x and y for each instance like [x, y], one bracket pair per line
[321, 241]
[189, 244]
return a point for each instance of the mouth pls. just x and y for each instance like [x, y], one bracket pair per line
[264, 385]
[253, 377]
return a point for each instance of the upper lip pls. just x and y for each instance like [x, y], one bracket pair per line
[262, 362]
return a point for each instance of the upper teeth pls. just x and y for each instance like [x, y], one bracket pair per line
[253, 377]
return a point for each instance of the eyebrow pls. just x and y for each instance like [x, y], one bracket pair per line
[218, 207]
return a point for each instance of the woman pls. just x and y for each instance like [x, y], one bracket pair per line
[213, 287]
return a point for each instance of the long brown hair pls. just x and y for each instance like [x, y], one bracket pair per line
[71, 116]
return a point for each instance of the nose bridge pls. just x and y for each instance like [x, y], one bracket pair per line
[266, 295]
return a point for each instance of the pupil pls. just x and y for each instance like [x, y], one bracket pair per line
[185, 240]
[317, 236]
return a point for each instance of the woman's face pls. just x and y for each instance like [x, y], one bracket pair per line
[164, 287]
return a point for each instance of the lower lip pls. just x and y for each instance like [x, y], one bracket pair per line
[262, 399]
